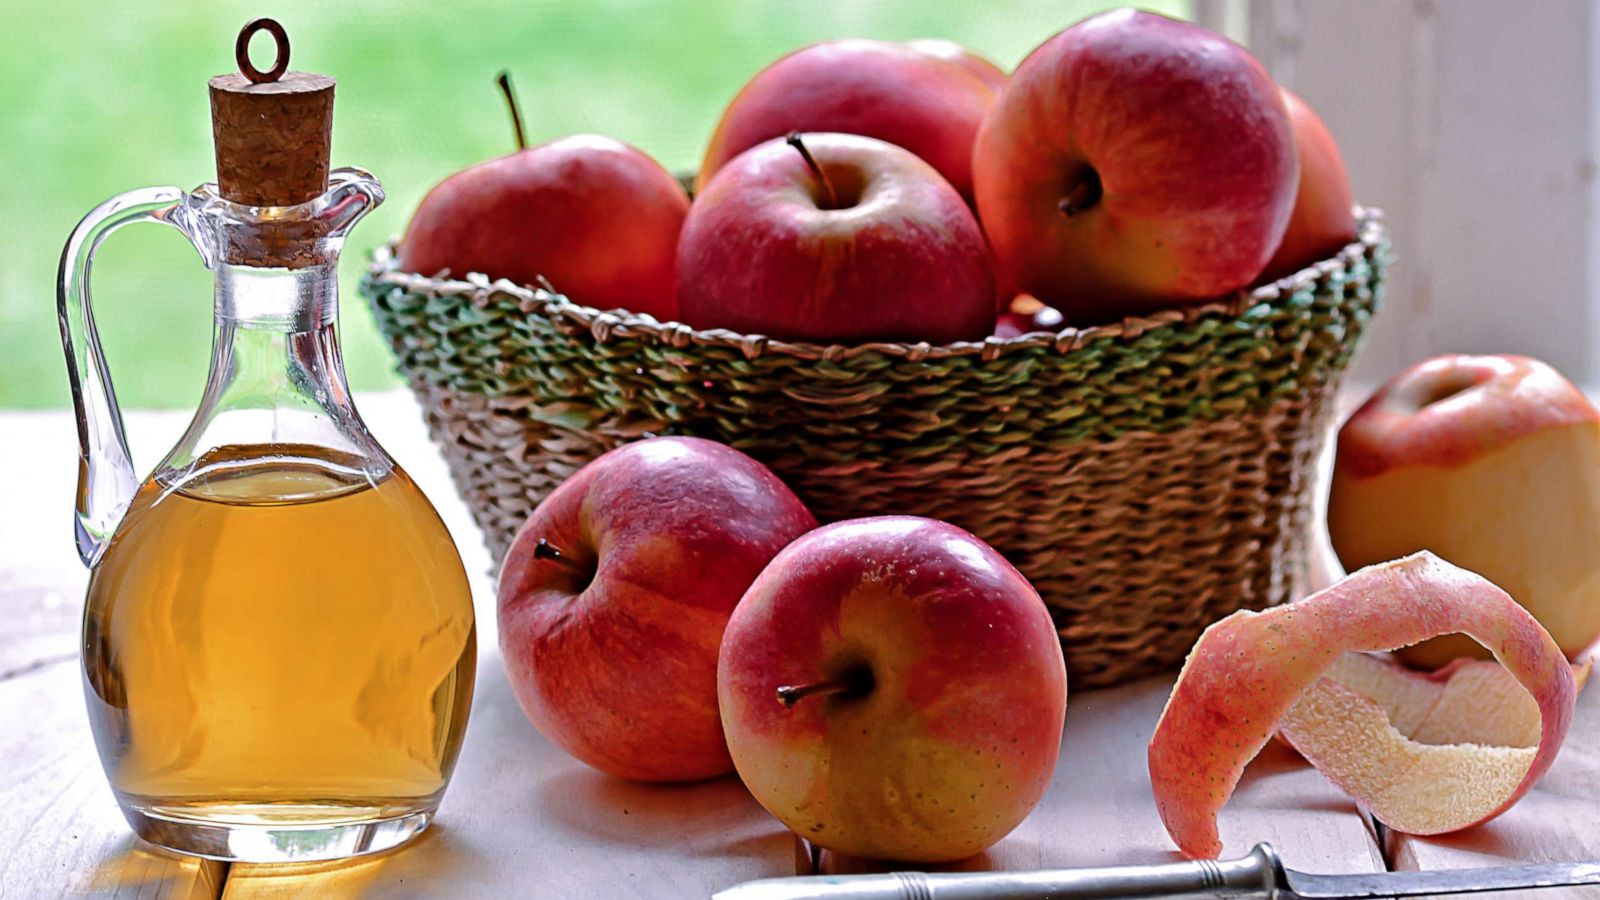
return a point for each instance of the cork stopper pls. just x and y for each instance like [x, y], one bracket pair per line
[273, 130]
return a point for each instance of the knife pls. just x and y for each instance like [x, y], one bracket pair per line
[1259, 875]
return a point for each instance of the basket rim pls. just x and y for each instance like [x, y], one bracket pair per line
[612, 325]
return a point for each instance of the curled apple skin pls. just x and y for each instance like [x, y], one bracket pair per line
[1249, 670]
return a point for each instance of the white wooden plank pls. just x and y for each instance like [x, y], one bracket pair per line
[41, 626]
[523, 819]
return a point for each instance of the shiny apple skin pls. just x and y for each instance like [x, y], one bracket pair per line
[906, 262]
[560, 211]
[1194, 154]
[958, 738]
[929, 100]
[1448, 410]
[619, 669]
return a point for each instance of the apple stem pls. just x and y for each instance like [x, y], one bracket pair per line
[1084, 194]
[504, 80]
[546, 550]
[855, 682]
[794, 141]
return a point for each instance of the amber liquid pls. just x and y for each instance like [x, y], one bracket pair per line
[277, 639]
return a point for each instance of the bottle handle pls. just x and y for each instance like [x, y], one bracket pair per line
[106, 477]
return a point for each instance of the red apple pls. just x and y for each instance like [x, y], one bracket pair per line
[928, 100]
[614, 596]
[1324, 218]
[561, 211]
[1134, 163]
[1492, 462]
[892, 688]
[836, 238]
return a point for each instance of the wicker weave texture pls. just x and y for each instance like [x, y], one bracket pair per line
[1148, 477]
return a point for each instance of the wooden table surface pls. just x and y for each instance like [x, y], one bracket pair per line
[523, 819]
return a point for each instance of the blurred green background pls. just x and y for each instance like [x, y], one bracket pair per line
[96, 99]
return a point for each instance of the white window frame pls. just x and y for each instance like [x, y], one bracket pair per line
[1472, 124]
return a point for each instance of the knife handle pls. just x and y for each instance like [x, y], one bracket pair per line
[1258, 875]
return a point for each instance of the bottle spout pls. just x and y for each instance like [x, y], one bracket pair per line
[352, 193]
[283, 237]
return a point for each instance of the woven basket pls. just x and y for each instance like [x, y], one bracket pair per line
[1148, 476]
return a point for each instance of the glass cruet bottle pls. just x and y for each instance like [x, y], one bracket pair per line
[278, 641]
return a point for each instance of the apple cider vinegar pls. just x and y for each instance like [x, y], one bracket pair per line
[274, 635]
[278, 640]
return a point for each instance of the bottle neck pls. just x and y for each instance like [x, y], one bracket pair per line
[275, 346]
[288, 301]
[277, 377]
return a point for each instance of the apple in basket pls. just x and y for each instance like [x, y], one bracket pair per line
[1324, 219]
[892, 688]
[834, 238]
[926, 96]
[1492, 462]
[558, 211]
[1134, 162]
[615, 593]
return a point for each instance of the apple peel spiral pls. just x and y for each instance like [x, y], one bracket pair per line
[1425, 753]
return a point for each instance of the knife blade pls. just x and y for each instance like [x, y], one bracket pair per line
[1259, 875]
[1443, 882]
